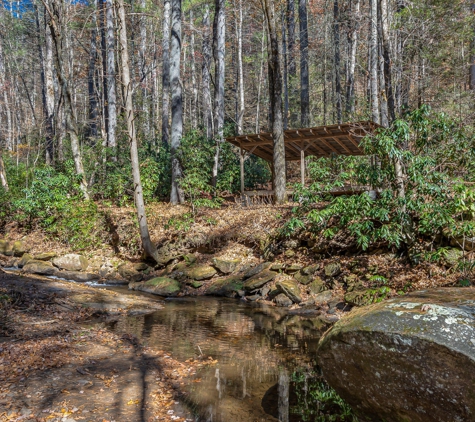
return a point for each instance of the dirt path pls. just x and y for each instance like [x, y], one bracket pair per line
[54, 366]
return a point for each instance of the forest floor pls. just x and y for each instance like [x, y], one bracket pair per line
[57, 365]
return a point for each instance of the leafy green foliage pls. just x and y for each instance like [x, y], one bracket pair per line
[430, 202]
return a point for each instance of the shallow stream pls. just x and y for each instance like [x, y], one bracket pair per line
[265, 368]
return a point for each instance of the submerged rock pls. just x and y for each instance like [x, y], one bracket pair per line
[162, 286]
[227, 287]
[71, 262]
[411, 358]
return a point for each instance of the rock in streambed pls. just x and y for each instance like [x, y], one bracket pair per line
[411, 358]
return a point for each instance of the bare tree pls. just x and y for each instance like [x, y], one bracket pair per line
[219, 45]
[166, 72]
[304, 75]
[110, 75]
[275, 95]
[149, 248]
[205, 76]
[176, 195]
[336, 41]
[352, 41]
[373, 61]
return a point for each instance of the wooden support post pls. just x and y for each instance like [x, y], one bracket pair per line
[241, 159]
[302, 166]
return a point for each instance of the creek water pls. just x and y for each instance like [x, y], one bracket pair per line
[265, 368]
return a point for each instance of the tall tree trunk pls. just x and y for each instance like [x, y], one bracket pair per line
[292, 67]
[3, 88]
[353, 43]
[240, 116]
[194, 87]
[304, 77]
[260, 81]
[148, 247]
[105, 90]
[219, 35]
[143, 69]
[56, 14]
[373, 61]
[110, 75]
[205, 76]
[387, 57]
[383, 102]
[166, 73]
[285, 60]
[275, 95]
[177, 101]
[91, 79]
[336, 40]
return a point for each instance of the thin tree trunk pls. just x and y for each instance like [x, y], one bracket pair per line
[111, 87]
[3, 87]
[383, 102]
[91, 79]
[275, 95]
[336, 40]
[285, 59]
[219, 34]
[260, 81]
[304, 77]
[148, 247]
[350, 83]
[3, 174]
[386, 47]
[166, 73]
[143, 69]
[56, 14]
[105, 90]
[373, 61]
[194, 87]
[205, 76]
[240, 116]
[292, 67]
[177, 101]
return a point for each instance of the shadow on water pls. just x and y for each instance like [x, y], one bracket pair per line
[266, 359]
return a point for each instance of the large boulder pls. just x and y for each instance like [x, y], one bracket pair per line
[71, 262]
[200, 272]
[40, 267]
[227, 287]
[162, 286]
[259, 280]
[411, 358]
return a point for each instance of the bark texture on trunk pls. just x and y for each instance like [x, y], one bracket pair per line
[194, 86]
[3, 174]
[166, 73]
[336, 40]
[275, 95]
[3, 88]
[219, 38]
[110, 75]
[387, 58]
[91, 80]
[353, 43]
[291, 65]
[373, 61]
[176, 195]
[240, 115]
[205, 76]
[304, 76]
[149, 248]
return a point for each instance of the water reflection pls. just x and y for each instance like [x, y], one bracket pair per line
[259, 350]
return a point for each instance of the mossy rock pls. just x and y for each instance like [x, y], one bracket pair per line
[162, 286]
[226, 287]
[359, 297]
[257, 269]
[293, 268]
[303, 278]
[45, 256]
[6, 248]
[259, 280]
[24, 260]
[283, 300]
[129, 273]
[226, 266]
[452, 257]
[290, 287]
[195, 284]
[200, 272]
[310, 270]
[323, 297]
[189, 258]
[353, 283]
[277, 266]
[333, 269]
[317, 286]
[19, 248]
[40, 267]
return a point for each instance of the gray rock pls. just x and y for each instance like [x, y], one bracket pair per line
[323, 297]
[282, 300]
[226, 266]
[71, 262]
[19, 248]
[410, 358]
[311, 269]
[6, 248]
[257, 281]
[332, 269]
[290, 288]
[24, 260]
[40, 267]
[293, 268]
[257, 269]
[162, 286]
[77, 276]
[317, 286]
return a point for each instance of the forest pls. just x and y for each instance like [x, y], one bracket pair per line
[162, 257]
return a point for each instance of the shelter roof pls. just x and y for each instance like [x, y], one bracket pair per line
[321, 141]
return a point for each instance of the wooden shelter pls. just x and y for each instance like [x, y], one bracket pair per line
[321, 141]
